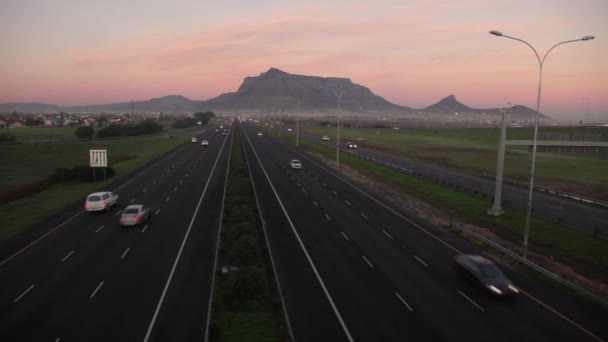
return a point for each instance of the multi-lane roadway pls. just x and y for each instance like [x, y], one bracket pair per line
[349, 267]
[92, 280]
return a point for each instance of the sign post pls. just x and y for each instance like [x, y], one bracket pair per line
[98, 158]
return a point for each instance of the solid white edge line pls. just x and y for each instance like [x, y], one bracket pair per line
[179, 253]
[404, 302]
[471, 301]
[97, 289]
[24, 293]
[387, 234]
[100, 228]
[345, 237]
[367, 261]
[314, 268]
[67, 256]
[217, 246]
[125, 253]
[422, 262]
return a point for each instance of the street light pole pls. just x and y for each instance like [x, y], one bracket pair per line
[534, 144]
[339, 96]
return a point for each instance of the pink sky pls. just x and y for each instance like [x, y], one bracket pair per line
[412, 53]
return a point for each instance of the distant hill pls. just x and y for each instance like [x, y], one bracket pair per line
[275, 90]
[450, 105]
[28, 107]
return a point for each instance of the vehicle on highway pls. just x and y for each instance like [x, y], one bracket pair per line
[295, 164]
[259, 134]
[351, 144]
[217, 129]
[204, 143]
[99, 201]
[224, 133]
[289, 130]
[486, 273]
[134, 214]
[325, 138]
[194, 140]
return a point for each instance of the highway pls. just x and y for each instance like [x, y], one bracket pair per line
[569, 213]
[384, 273]
[350, 267]
[89, 279]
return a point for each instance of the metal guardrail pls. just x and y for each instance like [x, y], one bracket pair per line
[534, 266]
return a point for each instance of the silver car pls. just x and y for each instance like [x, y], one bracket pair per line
[295, 164]
[134, 215]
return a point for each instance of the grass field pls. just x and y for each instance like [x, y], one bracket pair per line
[475, 150]
[27, 162]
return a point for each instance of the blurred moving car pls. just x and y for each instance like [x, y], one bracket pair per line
[351, 144]
[134, 215]
[325, 138]
[486, 273]
[99, 201]
[289, 130]
[295, 164]
[194, 140]
[204, 143]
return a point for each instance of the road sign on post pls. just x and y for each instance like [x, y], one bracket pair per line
[98, 158]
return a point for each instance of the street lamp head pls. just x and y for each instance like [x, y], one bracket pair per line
[496, 33]
[588, 37]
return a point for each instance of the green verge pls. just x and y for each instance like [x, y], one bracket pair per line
[246, 304]
[587, 255]
[22, 213]
[473, 151]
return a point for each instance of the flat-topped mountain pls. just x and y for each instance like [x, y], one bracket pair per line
[275, 89]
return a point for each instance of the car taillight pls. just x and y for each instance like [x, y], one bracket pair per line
[122, 217]
[86, 204]
[136, 217]
[103, 204]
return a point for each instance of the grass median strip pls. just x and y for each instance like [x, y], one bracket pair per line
[246, 303]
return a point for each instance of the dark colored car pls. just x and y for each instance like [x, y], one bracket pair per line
[486, 273]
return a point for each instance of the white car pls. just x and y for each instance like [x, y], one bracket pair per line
[134, 215]
[295, 164]
[259, 134]
[325, 138]
[289, 130]
[194, 140]
[99, 201]
[204, 143]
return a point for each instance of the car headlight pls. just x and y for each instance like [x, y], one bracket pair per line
[494, 289]
[513, 288]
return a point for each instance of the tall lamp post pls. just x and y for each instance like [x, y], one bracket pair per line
[339, 96]
[540, 63]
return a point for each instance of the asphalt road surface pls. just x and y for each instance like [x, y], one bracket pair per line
[384, 274]
[569, 213]
[93, 280]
